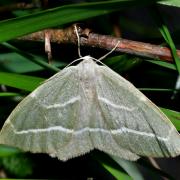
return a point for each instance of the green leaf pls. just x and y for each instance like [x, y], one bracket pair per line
[130, 167]
[174, 116]
[20, 63]
[156, 89]
[122, 63]
[13, 28]
[5, 94]
[162, 63]
[110, 165]
[159, 19]
[28, 83]
[14, 62]
[8, 151]
[19, 165]
[175, 3]
[115, 172]
[36, 59]
[172, 46]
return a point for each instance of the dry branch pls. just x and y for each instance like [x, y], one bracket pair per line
[91, 39]
[15, 6]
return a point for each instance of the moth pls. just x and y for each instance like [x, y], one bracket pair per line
[86, 107]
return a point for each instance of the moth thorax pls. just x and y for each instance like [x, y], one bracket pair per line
[87, 77]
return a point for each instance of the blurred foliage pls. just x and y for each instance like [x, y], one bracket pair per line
[23, 66]
[18, 165]
[6, 151]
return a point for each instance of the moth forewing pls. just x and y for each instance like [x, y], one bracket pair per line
[88, 107]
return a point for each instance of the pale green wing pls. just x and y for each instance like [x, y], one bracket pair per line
[133, 121]
[85, 107]
[45, 121]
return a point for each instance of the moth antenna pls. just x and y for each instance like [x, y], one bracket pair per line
[99, 61]
[103, 57]
[79, 51]
[78, 39]
[74, 61]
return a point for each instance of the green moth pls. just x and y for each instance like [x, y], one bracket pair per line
[86, 107]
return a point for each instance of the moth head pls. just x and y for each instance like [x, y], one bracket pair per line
[87, 59]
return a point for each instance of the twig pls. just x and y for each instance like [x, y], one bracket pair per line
[15, 6]
[103, 41]
[47, 43]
